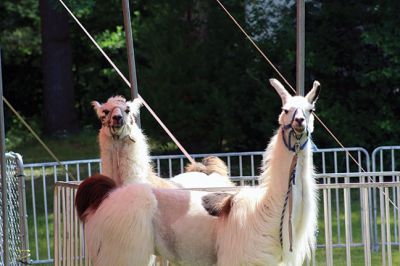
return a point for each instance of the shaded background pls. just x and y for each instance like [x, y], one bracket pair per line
[199, 73]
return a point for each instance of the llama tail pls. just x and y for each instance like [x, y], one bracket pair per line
[91, 193]
[209, 165]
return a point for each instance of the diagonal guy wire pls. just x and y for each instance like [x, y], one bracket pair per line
[129, 84]
[38, 138]
[279, 73]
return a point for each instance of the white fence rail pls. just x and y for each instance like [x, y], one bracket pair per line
[345, 207]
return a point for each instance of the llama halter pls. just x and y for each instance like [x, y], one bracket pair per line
[296, 148]
[288, 143]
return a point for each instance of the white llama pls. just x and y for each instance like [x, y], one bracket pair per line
[125, 157]
[248, 231]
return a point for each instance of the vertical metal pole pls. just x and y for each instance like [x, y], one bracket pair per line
[300, 50]
[130, 49]
[23, 217]
[3, 174]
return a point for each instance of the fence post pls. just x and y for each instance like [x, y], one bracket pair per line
[23, 217]
[3, 174]
[131, 53]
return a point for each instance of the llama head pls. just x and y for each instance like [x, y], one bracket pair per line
[297, 110]
[117, 116]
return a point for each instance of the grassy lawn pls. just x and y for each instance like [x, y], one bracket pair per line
[357, 257]
[73, 147]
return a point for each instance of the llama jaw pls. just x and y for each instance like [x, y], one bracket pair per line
[116, 130]
[299, 130]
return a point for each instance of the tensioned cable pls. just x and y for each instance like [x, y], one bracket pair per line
[129, 84]
[254, 44]
[316, 116]
[38, 138]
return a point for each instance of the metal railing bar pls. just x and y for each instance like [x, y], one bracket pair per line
[34, 216]
[46, 215]
[358, 174]
[56, 224]
[388, 236]
[394, 194]
[75, 184]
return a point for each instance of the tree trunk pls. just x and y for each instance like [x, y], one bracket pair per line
[58, 95]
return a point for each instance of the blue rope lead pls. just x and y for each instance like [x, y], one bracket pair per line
[292, 181]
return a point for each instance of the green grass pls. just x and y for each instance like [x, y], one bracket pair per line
[357, 257]
[72, 147]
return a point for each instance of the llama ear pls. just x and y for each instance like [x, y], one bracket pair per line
[135, 105]
[310, 124]
[280, 90]
[312, 95]
[96, 106]
[217, 204]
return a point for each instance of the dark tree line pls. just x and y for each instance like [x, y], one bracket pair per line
[200, 74]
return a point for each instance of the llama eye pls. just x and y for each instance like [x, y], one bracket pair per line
[127, 111]
[286, 111]
[311, 110]
[106, 112]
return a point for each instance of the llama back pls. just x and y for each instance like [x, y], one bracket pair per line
[91, 193]
[211, 172]
[209, 165]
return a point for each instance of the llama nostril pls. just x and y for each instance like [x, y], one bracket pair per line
[299, 120]
[117, 118]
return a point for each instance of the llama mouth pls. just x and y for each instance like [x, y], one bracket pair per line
[118, 126]
[299, 129]
[116, 129]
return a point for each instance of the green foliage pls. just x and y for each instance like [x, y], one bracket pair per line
[112, 39]
[16, 134]
[355, 53]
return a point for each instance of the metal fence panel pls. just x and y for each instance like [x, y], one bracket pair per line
[16, 213]
[338, 165]
[387, 159]
[70, 243]
[335, 167]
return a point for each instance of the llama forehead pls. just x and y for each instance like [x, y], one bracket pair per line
[116, 101]
[298, 102]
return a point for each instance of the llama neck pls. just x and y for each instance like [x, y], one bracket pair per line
[125, 160]
[275, 181]
[276, 165]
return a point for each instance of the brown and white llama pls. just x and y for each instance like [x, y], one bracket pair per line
[125, 157]
[125, 225]
[275, 223]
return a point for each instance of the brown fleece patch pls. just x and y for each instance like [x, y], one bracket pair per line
[209, 165]
[217, 204]
[91, 193]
